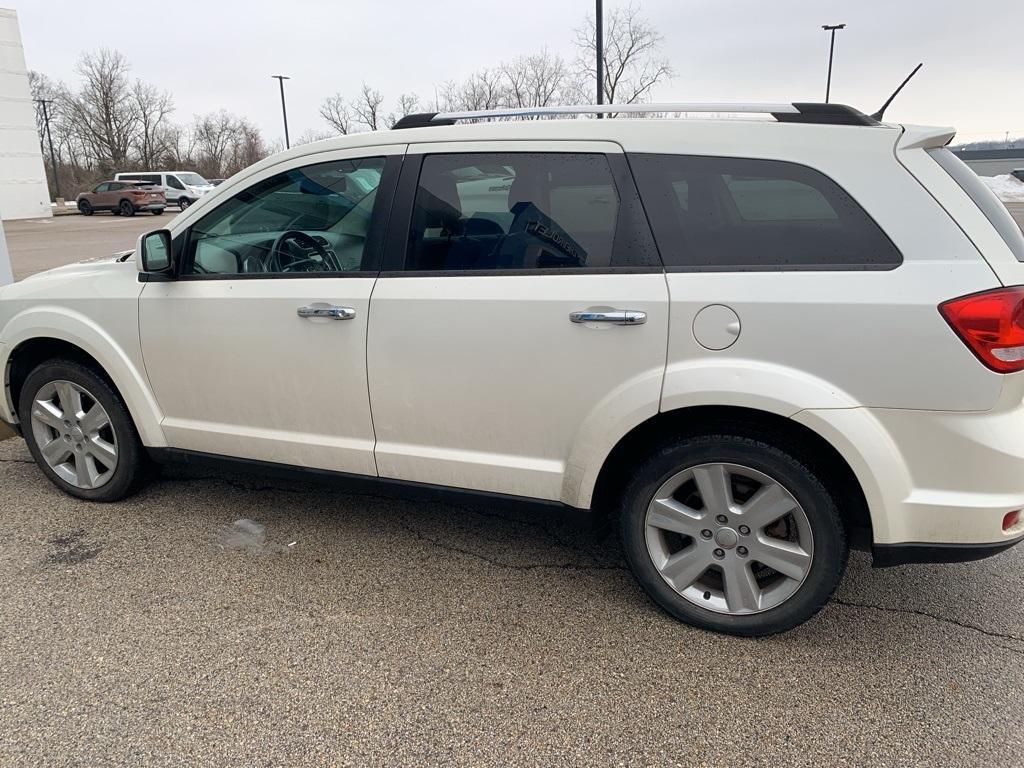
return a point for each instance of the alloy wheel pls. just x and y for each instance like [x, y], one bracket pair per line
[74, 434]
[729, 538]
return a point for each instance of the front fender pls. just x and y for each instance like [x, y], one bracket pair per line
[124, 367]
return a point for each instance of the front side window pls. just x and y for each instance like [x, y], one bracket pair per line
[173, 182]
[725, 213]
[102, 187]
[306, 220]
[516, 210]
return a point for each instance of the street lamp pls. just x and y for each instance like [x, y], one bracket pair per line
[599, 48]
[49, 139]
[284, 111]
[831, 49]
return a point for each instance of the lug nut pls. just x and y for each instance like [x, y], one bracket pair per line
[744, 530]
[719, 553]
[706, 533]
[741, 551]
[722, 519]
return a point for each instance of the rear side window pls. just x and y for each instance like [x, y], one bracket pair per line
[984, 198]
[720, 213]
[523, 210]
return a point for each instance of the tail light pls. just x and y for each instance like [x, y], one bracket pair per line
[991, 323]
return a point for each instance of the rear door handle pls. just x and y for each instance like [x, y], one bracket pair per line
[614, 316]
[330, 313]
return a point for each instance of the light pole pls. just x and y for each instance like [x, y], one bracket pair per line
[599, 48]
[831, 50]
[49, 139]
[284, 111]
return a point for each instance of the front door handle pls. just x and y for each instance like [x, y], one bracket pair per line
[614, 316]
[330, 313]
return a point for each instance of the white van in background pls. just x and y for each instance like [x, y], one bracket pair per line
[182, 188]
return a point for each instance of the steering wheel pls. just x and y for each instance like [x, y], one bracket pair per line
[327, 257]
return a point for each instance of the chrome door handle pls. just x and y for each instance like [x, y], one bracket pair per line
[614, 316]
[331, 313]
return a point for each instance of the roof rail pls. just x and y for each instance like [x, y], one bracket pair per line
[797, 112]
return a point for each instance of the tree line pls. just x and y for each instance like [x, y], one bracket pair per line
[109, 121]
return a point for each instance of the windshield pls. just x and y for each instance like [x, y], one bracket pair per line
[193, 179]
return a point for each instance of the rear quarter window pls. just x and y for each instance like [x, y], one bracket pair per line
[719, 213]
[984, 198]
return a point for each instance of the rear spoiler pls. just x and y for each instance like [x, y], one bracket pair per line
[924, 137]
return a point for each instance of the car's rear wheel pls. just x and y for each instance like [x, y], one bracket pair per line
[157, 211]
[80, 433]
[126, 208]
[85, 208]
[183, 203]
[732, 534]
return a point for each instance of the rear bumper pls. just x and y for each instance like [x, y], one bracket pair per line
[151, 207]
[938, 484]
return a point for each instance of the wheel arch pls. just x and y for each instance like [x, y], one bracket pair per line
[808, 445]
[27, 353]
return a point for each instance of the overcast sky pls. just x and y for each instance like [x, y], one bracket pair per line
[214, 54]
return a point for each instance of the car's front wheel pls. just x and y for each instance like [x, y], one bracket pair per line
[183, 203]
[85, 208]
[80, 433]
[729, 533]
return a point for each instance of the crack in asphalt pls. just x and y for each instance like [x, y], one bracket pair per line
[935, 617]
[16, 461]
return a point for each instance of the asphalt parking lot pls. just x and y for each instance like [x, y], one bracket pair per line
[363, 630]
[40, 244]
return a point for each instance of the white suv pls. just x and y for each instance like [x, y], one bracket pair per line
[754, 343]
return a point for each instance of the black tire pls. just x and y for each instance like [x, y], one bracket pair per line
[85, 208]
[183, 203]
[157, 211]
[132, 469]
[829, 535]
[127, 208]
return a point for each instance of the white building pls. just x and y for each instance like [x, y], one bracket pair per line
[23, 191]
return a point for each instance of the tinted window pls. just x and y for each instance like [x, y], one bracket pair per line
[114, 186]
[325, 208]
[984, 198]
[509, 211]
[172, 181]
[102, 187]
[726, 213]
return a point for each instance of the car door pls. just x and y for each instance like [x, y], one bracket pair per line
[98, 197]
[258, 349]
[521, 319]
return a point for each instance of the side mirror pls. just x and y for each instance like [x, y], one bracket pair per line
[154, 254]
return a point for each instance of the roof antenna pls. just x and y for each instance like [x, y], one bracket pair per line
[878, 115]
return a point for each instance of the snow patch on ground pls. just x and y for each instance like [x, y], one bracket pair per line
[1008, 188]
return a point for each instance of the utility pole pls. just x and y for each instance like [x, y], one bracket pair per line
[284, 111]
[49, 139]
[831, 50]
[599, 48]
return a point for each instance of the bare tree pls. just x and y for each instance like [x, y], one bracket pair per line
[632, 64]
[153, 108]
[481, 90]
[367, 108]
[408, 104]
[103, 113]
[338, 114]
[310, 136]
[539, 80]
